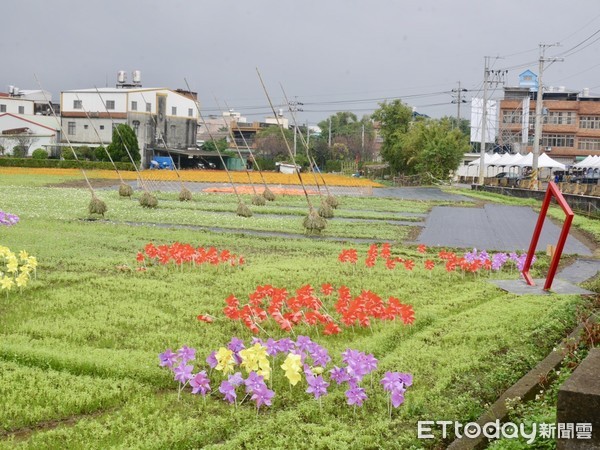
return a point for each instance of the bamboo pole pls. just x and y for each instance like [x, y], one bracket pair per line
[242, 209]
[96, 205]
[313, 222]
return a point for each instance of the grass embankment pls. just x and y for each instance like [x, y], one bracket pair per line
[79, 345]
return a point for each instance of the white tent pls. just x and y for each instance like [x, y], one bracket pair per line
[587, 162]
[526, 160]
[544, 161]
[504, 160]
[488, 160]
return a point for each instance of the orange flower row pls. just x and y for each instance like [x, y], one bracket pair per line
[200, 176]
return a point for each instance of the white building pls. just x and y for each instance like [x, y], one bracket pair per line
[15, 105]
[163, 119]
[32, 131]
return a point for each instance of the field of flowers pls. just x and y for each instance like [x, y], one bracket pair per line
[152, 329]
[205, 176]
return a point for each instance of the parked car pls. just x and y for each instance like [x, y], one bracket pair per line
[511, 176]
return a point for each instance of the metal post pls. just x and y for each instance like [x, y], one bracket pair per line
[483, 121]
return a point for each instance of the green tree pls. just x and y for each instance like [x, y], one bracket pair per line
[439, 147]
[394, 119]
[270, 143]
[356, 135]
[124, 140]
[214, 145]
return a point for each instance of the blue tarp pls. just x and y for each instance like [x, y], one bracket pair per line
[162, 162]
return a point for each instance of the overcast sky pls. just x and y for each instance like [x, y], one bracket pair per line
[331, 55]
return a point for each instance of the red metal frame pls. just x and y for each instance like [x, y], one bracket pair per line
[552, 191]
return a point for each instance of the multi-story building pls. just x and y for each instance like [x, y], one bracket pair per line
[164, 120]
[24, 120]
[571, 120]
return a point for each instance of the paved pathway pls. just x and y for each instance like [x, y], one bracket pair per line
[493, 227]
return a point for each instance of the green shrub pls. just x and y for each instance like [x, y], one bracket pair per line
[67, 154]
[19, 151]
[39, 153]
[265, 163]
[333, 165]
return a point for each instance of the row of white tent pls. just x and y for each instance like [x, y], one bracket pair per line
[518, 160]
[590, 162]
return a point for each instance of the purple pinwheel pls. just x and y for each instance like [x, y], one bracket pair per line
[272, 347]
[317, 386]
[167, 358]
[359, 364]
[406, 378]
[285, 345]
[254, 382]
[471, 256]
[356, 396]
[235, 345]
[228, 391]
[397, 397]
[262, 396]
[350, 354]
[396, 383]
[236, 379]
[303, 343]
[8, 219]
[390, 380]
[339, 374]
[186, 353]
[200, 383]
[319, 355]
[211, 360]
[498, 260]
[183, 372]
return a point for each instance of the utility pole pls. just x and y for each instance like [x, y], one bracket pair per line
[489, 77]
[293, 107]
[459, 100]
[329, 140]
[539, 100]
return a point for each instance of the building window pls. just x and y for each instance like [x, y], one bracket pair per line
[148, 107]
[589, 144]
[136, 126]
[592, 122]
[558, 140]
[560, 118]
[85, 127]
[134, 106]
[21, 110]
[71, 128]
[102, 127]
[77, 104]
[173, 130]
[509, 117]
[190, 112]
[110, 104]
[173, 110]
[2, 108]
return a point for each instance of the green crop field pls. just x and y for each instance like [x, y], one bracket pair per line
[79, 345]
